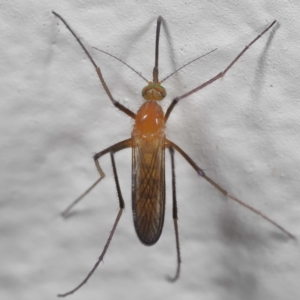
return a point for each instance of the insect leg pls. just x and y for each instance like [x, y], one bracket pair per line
[66, 211]
[117, 147]
[201, 173]
[220, 75]
[111, 150]
[175, 217]
[114, 102]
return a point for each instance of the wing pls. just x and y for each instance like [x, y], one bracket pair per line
[148, 187]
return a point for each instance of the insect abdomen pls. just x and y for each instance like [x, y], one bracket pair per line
[148, 173]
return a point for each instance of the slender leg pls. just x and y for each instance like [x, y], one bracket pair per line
[66, 211]
[114, 102]
[175, 216]
[201, 173]
[111, 150]
[220, 75]
[155, 69]
[117, 147]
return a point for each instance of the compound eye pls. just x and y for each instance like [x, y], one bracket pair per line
[154, 92]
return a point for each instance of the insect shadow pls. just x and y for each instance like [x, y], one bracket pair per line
[148, 142]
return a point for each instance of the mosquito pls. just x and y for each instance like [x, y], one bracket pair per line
[148, 142]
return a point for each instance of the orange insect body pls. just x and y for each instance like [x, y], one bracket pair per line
[148, 171]
[149, 121]
[148, 142]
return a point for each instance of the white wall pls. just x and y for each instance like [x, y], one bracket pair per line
[243, 130]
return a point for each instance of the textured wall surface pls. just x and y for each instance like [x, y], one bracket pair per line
[242, 130]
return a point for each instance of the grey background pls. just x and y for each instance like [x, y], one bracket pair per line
[243, 130]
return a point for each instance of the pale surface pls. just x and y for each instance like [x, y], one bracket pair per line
[243, 130]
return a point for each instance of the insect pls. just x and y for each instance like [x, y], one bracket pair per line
[148, 142]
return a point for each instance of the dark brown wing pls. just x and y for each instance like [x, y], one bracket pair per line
[148, 187]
